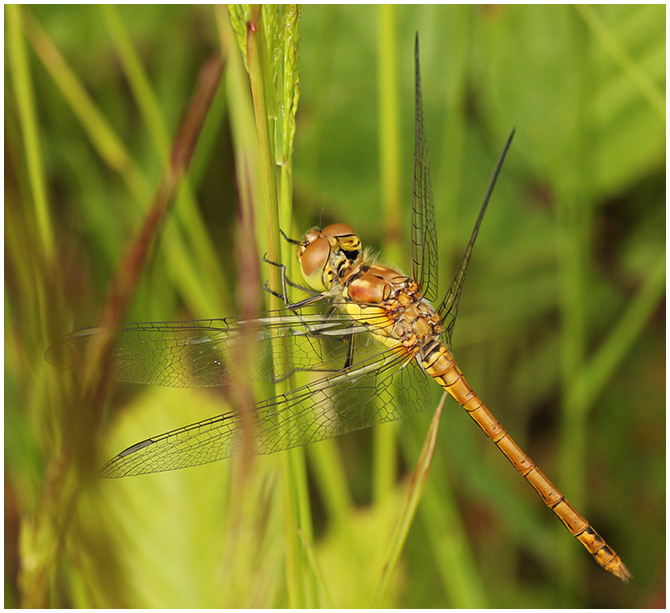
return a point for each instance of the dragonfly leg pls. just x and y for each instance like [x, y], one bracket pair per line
[350, 352]
[285, 279]
[285, 283]
[307, 290]
[288, 239]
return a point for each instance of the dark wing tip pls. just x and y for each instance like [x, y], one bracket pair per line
[61, 355]
[49, 355]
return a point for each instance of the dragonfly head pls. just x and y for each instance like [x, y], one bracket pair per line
[328, 252]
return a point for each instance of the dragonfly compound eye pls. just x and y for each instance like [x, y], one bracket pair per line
[315, 264]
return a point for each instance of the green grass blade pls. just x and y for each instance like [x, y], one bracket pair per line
[384, 438]
[262, 47]
[110, 148]
[602, 366]
[106, 142]
[316, 570]
[25, 103]
[411, 504]
[186, 209]
[646, 87]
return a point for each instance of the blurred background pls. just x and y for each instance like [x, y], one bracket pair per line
[561, 326]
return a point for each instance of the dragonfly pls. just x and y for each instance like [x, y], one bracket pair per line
[367, 340]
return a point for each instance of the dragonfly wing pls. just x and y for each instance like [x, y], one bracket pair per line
[382, 387]
[448, 308]
[197, 353]
[174, 354]
[424, 235]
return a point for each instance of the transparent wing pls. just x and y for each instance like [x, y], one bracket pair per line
[347, 381]
[424, 234]
[383, 386]
[448, 308]
[197, 353]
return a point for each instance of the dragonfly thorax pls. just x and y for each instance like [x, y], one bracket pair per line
[392, 307]
[328, 253]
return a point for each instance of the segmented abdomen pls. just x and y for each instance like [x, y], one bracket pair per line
[440, 364]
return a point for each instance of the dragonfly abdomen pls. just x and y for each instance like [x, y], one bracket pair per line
[440, 364]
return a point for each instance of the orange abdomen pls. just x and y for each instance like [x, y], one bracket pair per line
[440, 364]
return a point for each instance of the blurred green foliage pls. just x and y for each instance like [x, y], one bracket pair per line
[561, 325]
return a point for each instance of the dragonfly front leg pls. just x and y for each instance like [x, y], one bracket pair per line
[285, 283]
[295, 306]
